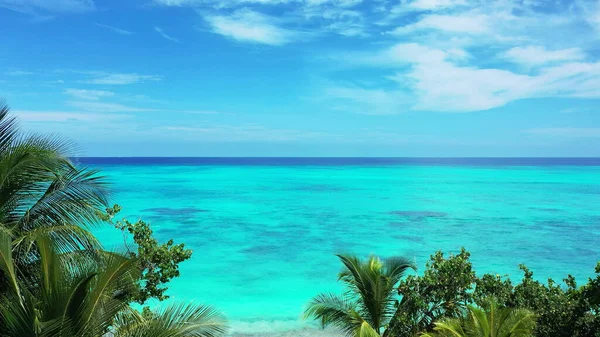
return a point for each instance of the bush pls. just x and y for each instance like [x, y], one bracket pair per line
[449, 285]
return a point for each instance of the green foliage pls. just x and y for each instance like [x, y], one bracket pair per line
[70, 295]
[85, 296]
[55, 280]
[367, 307]
[176, 320]
[447, 290]
[488, 285]
[449, 286]
[43, 194]
[444, 290]
[490, 320]
[159, 262]
[563, 311]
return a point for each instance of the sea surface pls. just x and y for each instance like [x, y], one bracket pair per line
[265, 230]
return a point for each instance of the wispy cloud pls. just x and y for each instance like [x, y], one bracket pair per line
[368, 101]
[567, 132]
[120, 78]
[433, 4]
[446, 21]
[470, 23]
[297, 20]
[19, 73]
[225, 3]
[62, 116]
[86, 94]
[462, 56]
[333, 17]
[48, 6]
[176, 3]
[201, 112]
[438, 80]
[539, 55]
[591, 13]
[250, 26]
[115, 29]
[93, 106]
[234, 133]
[163, 34]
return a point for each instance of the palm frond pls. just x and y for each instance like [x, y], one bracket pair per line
[66, 238]
[450, 327]
[108, 291]
[518, 323]
[333, 310]
[8, 127]
[176, 320]
[7, 265]
[19, 316]
[396, 267]
[366, 330]
[74, 196]
[492, 320]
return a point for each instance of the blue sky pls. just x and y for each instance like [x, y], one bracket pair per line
[307, 77]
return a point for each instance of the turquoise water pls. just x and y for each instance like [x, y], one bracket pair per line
[264, 236]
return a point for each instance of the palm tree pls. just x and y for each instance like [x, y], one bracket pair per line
[73, 294]
[70, 294]
[369, 302]
[491, 321]
[43, 193]
[54, 278]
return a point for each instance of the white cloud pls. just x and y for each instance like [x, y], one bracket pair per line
[245, 133]
[434, 4]
[105, 107]
[337, 19]
[591, 13]
[163, 34]
[368, 101]
[121, 78]
[48, 6]
[538, 55]
[444, 86]
[438, 81]
[174, 2]
[250, 26]
[61, 116]
[246, 20]
[567, 132]
[200, 112]
[404, 54]
[454, 55]
[19, 73]
[501, 23]
[469, 23]
[221, 3]
[85, 94]
[115, 29]
[336, 3]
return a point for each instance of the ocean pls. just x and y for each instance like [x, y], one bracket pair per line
[265, 230]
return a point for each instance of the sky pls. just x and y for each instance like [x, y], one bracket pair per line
[408, 78]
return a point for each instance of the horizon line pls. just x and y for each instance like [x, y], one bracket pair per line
[344, 157]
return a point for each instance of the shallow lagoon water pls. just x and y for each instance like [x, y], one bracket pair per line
[264, 232]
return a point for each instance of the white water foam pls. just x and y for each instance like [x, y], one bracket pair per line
[279, 328]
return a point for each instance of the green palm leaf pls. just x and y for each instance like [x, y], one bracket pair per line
[40, 188]
[369, 298]
[176, 320]
[490, 321]
[7, 265]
